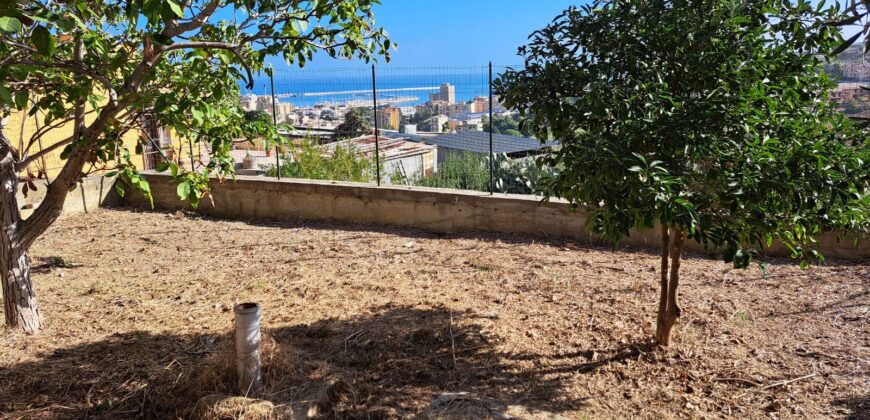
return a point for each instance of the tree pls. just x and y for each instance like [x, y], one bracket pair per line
[354, 124]
[251, 116]
[104, 66]
[709, 118]
[509, 125]
[855, 14]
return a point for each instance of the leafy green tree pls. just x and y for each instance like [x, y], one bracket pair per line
[509, 125]
[354, 124]
[251, 116]
[103, 66]
[512, 132]
[710, 118]
[422, 115]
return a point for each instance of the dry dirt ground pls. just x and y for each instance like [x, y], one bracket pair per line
[378, 322]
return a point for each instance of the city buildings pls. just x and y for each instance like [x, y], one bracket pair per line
[436, 123]
[389, 118]
[264, 103]
[441, 112]
[477, 142]
[479, 104]
[446, 93]
[848, 91]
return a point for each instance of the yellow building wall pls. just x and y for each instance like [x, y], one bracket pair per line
[20, 128]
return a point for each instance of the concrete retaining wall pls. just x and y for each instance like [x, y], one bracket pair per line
[91, 193]
[430, 209]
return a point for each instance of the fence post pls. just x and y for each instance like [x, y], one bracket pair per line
[491, 172]
[375, 118]
[274, 120]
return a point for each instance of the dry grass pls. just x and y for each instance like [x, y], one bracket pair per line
[378, 322]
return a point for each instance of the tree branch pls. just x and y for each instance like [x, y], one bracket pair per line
[31, 158]
[233, 48]
[196, 22]
[78, 69]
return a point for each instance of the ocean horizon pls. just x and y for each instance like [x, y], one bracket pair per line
[398, 87]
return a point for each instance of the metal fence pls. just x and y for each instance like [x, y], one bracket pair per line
[427, 126]
[424, 126]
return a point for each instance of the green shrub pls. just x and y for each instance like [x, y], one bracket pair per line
[470, 171]
[311, 161]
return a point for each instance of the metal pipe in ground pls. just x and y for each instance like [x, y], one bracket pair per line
[247, 325]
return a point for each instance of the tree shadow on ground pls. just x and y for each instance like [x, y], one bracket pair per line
[859, 407]
[392, 362]
[572, 243]
[854, 300]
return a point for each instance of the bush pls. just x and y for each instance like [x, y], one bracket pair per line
[466, 171]
[310, 161]
[470, 171]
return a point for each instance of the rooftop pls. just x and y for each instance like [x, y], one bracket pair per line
[478, 142]
[388, 147]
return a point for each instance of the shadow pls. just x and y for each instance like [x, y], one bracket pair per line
[853, 300]
[46, 264]
[509, 240]
[588, 361]
[391, 363]
[858, 407]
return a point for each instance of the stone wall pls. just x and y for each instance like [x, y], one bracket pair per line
[89, 195]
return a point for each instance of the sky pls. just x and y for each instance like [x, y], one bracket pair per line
[445, 33]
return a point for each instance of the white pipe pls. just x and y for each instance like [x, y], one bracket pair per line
[247, 324]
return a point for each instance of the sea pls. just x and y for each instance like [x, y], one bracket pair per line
[394, 86]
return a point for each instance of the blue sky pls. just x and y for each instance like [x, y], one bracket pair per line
[444, 33]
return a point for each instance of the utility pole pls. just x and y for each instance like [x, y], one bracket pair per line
[491, 171]
[271, 70]
[375, 117]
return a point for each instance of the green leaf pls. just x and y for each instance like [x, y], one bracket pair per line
[183, 190]
[21, 99]
[847, 43]
[175, 8]
[9, 24]
[6, 96]
[43, 41]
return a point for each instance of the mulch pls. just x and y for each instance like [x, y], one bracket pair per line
[378, 322]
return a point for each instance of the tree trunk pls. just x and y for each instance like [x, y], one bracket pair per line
[663, 296]
[19, 302]
[669, 308]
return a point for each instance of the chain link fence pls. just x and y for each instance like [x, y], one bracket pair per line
[425, 126]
